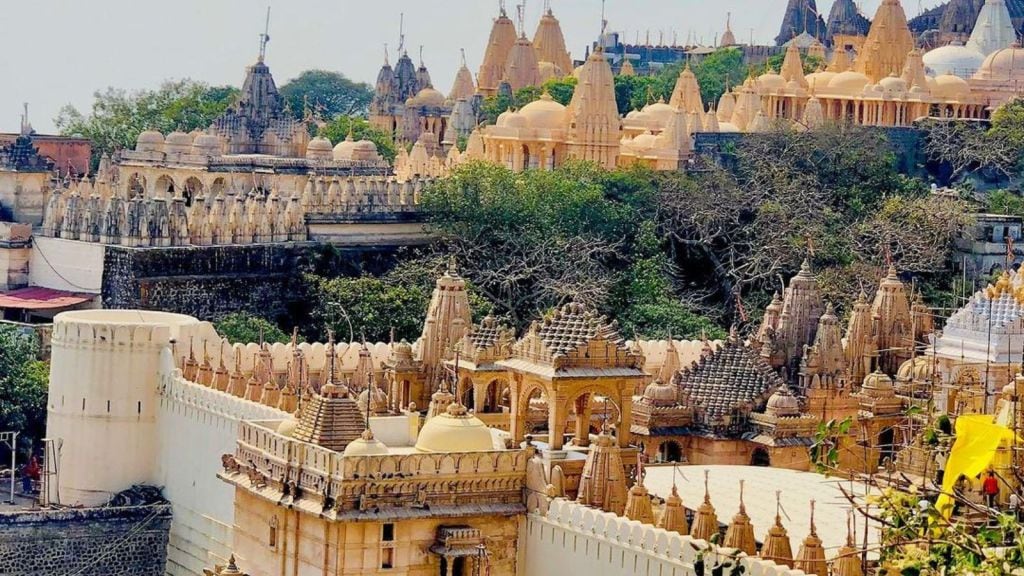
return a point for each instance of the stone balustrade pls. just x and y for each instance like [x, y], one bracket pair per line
[228, 217]
[267, 461]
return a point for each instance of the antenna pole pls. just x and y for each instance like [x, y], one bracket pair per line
[401, 32]
[265, 37]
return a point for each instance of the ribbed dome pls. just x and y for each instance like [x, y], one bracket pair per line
[544, 113]
[783, 404]
[512, 120]
[893, 86]
[919, 368]
[954, 58]
[149, 141]
[343, 150]
[319, 148]
[427, 97]
[1006, 64]
[877, 383]
[206, 145]
[660, 393]
[770, 82]
[178, 143]
[287, 427]
[454, 431]
[848, 83]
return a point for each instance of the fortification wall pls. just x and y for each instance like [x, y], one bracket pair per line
[87, 542]
[195, 426]
[575, 539]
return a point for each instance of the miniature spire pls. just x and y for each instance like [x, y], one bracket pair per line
[777, 547]
[811, 558]
[740, 534]
[705, 522]
[846, 562]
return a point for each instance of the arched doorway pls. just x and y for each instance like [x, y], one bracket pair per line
[886, 446]
[669, 451]
[165, 186]
[760, 457]
[136, 186]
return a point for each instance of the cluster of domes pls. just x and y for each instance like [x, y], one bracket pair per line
[179, 143]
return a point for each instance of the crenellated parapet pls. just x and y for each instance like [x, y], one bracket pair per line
[557, 541]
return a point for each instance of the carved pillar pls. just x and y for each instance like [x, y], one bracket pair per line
[625, 414]
[582, 432]
[557, 419]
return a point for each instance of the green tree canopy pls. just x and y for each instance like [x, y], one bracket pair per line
[243, 328]
[376, 305]
[330, 94]
[118, 117]
[23, 387]
[361, 129]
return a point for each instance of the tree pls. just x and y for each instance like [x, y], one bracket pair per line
[361, 129]
[331, 94]
[118, 117]
[645, 303]
[243, 328]
[791, 195]
[23, 387]
[533, 240]
[718, 71]
[377, 305]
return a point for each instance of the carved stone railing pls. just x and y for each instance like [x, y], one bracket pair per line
[332, 481]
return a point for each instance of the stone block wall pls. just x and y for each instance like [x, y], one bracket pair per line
[210, 282]
[128, 541]
[207, 282]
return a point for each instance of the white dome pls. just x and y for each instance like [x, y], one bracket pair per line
[544, 113]
[512, 120]
[848, 83]
[178, 143]
[954, 58]
[660, 112]
[454, 431]
[950, 87]
[365, 445]
[149, 141]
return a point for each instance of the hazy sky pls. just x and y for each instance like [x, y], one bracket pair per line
[57, 52]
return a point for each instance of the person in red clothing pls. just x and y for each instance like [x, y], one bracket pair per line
[990, 489]
[30, 475]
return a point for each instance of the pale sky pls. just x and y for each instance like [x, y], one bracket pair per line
[56, 52]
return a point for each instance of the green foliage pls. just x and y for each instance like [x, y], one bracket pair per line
[810, 63]
[376, 305]
[718, 71]
[917, 540]
[243, 328]
[1005, 202]
[561, 89]
[645, 304]
[23, 387]
[118, 117]
[1008, 122]
[329, 94]
[338, 129]
[824, 450]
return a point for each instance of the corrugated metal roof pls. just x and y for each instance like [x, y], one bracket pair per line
[36, 298]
